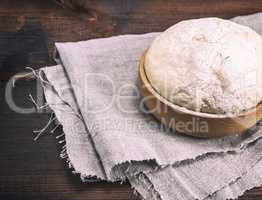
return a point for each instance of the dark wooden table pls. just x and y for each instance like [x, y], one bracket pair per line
[28, 30]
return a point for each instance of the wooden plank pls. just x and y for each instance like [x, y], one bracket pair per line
[28, 30]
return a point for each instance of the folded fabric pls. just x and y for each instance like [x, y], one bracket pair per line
[94, 96]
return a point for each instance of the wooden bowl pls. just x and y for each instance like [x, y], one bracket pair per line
[190, 122]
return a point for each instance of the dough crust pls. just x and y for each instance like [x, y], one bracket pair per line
[207, 65]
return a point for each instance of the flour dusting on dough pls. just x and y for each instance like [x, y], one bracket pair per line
[207, 65]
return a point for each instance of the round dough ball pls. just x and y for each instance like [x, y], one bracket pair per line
[207, 65]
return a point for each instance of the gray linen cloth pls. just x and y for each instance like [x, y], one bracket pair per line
[94, 96]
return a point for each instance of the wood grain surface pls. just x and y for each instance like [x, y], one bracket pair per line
[28, 30]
